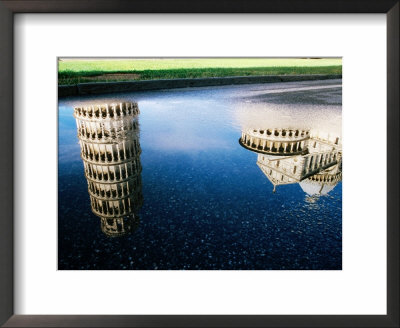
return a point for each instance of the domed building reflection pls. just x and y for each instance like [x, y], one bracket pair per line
[286, 156]
[110, 150]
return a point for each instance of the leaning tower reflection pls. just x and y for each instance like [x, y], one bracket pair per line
[110, 150]
[286, 156]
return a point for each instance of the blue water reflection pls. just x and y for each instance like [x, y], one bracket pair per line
[206, 202]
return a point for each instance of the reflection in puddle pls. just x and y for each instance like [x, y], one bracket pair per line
[207, 205]
[287, 156]
[110, 150]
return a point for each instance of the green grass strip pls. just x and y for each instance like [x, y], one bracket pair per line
[71, 72]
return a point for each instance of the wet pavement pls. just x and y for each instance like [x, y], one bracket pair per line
[206, 203]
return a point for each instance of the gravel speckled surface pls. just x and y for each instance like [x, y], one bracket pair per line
[206, 204]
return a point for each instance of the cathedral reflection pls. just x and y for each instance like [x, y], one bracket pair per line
[110, 150]
[286, 156]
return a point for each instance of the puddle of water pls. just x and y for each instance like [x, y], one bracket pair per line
[202, 179]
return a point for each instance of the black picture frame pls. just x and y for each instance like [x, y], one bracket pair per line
[10, 7]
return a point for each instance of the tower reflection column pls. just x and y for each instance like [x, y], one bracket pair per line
[110, 149]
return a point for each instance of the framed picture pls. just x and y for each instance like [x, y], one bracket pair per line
[226, 180]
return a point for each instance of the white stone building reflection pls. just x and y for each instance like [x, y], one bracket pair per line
[286, 156]
[110, 150]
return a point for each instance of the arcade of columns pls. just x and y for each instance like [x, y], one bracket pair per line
[110, 150]
[275, 141]
[288, 156]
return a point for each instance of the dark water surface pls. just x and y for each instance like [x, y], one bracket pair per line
[206, 203]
